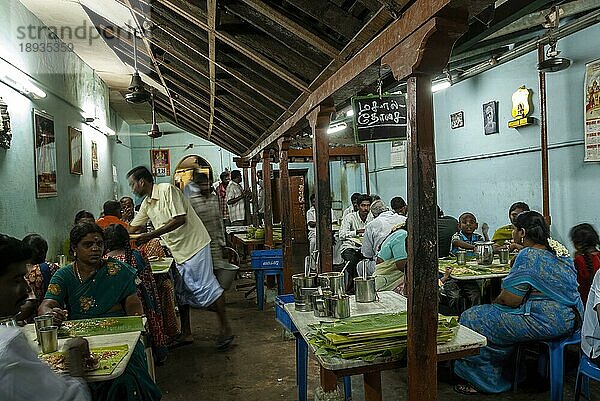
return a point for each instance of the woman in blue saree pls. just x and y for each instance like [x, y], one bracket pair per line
[539, 301]
[92, 287]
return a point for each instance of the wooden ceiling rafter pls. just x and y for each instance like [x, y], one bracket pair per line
[377, 22]
[292, 26]
[231, 41]
[211, 16]
[240, 77]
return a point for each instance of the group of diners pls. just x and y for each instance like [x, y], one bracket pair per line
[110, 275]
[546, 294]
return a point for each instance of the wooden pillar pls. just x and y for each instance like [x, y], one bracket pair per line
[367, 181]
[286, 206]
[255, 218]
[422, 242]
[248, 218]
[319, 120]
[544, 138]
[423, 54]
[267, 194]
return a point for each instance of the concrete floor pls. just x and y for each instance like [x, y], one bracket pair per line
[261, 367]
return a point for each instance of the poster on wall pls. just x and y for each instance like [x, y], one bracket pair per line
[490, 118]
[75, 151]
[398, 154]
[457, 120]
[45, 155]
[5, 130]
[159, 160]
[94, 156]
[591, 103]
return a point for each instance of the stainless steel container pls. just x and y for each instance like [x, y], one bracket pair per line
[320, 303]
[8, 321]
[504, 255]
[484, 252]
[461, 258]
[334, 281]
[365, 289]
[306, 305]
[49, 339]
[41, 322]
[339, 306]
[300, 281]
[62, 260]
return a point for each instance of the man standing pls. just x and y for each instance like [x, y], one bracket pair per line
[206, 206]
[377, 230]
[185, 235]
[353, 225]
[311, 222]
[222, 194]
[235, 199]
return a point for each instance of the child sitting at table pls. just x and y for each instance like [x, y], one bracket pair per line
[466, 237]
[460, 296]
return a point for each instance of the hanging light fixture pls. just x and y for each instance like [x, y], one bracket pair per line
[155, 129]
[137, 89]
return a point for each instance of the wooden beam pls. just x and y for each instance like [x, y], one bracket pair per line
[342, 151]
[255, 218]
[415, 16]
[295, 28]
[211, 6]
[329, 14]
[319, 120]
[268, 198]
[247, 216]
[245, 50]
[286, 215]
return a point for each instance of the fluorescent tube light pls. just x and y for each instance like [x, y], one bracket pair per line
[336, 128]
[98, 126]
[19, 81]
[440, 85]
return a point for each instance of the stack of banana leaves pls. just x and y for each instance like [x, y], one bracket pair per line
[370, 336]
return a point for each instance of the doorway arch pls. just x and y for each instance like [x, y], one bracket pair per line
[186, 166]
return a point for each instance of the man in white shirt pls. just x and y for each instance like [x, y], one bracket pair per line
[235, 199]
[353, 225]
[188, 240]
[590, 332]
[311, 222]
[377, 230]
[23, 376]
[353, 205]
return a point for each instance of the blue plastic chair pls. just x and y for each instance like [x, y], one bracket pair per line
[556, 350]
[587, 369]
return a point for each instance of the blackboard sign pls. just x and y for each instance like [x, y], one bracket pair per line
[379, 118]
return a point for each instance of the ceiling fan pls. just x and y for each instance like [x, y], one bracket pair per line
[155, 131]
[137, 89]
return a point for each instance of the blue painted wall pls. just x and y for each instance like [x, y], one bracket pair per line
[486, 174]
[70, 97]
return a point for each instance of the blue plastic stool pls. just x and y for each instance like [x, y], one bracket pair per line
[260, 283]
[556, 350]
[587, 369]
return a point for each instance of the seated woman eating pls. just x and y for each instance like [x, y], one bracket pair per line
[539, 301]
[92, 287]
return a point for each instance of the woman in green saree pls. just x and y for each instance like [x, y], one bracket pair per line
[91, 287]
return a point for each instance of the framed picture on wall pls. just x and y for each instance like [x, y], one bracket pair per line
[75, 151]
[45, 154]
[490, 118]
[94, 156]
[160, 162]
[457, 120]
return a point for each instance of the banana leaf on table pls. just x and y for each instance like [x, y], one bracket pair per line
[371, 336]
[100, 326]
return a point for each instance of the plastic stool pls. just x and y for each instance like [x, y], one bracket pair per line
[260, 283]
[587, 369]
[556, 350]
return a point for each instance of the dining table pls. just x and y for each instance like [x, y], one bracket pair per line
[474, 271]
[466, 342]
[128, 339]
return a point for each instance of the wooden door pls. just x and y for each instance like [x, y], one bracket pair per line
[297, 187]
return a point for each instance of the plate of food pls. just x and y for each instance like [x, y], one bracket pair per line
[101, 361]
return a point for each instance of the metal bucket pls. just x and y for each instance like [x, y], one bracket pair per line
[225, 273]
[320, 303]
[339, 306]
[299, 282]
[334, 281]
[365, 289]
